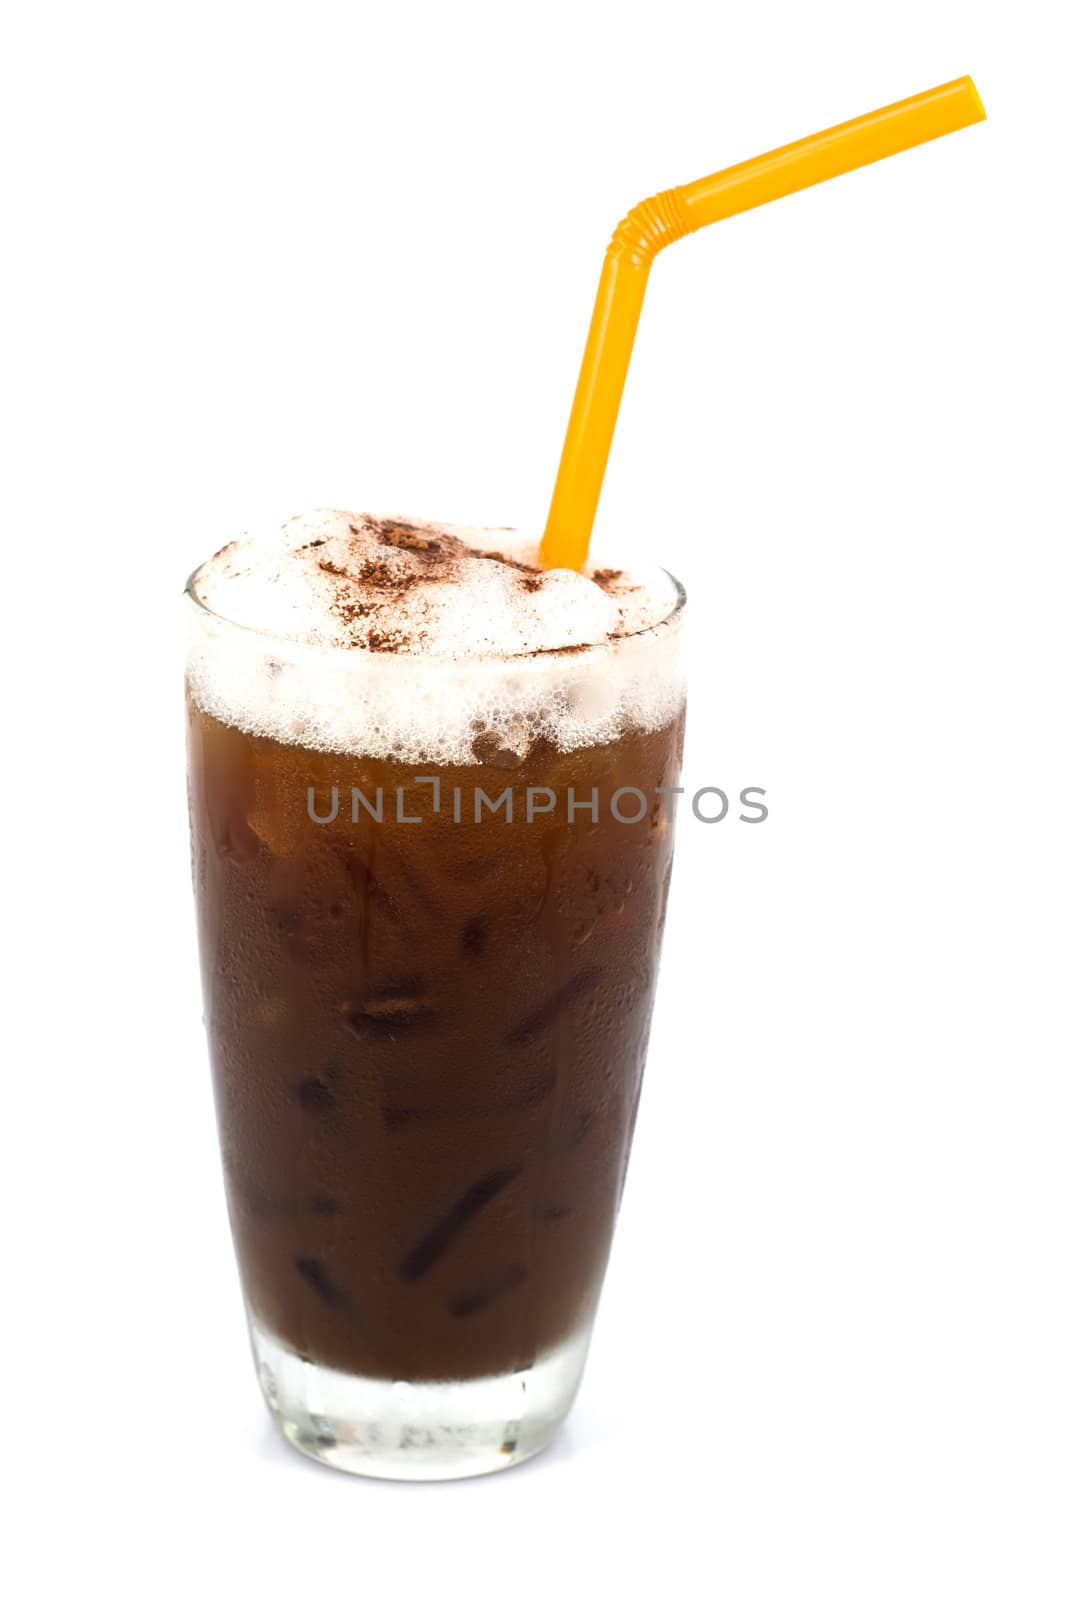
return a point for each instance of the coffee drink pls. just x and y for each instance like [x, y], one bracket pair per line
[431, 802]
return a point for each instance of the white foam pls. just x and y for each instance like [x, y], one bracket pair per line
[424, 642]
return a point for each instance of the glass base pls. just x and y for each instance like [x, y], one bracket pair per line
[417, 1430]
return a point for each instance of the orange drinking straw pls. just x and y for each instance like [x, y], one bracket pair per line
[657, 222]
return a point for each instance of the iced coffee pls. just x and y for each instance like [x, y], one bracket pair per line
[430, 793]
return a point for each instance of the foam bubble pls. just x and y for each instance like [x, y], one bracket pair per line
[427, 643]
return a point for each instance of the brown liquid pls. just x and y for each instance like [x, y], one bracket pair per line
[427, 1041]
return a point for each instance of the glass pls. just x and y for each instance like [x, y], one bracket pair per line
[427, 1006]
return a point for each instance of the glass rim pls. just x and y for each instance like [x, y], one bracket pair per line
[486, 657]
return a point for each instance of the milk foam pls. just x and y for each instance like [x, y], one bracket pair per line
[424, 642]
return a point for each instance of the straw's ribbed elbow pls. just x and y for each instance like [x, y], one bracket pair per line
[651, 224]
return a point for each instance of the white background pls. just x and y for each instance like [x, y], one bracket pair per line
[261, 257]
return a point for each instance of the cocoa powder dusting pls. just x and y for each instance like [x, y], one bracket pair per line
[507, 561]
[388, 559]
[366, 587]
[392, 585]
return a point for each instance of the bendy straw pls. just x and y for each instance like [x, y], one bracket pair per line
[667, 216]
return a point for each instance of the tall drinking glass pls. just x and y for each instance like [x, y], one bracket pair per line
[428, 989]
